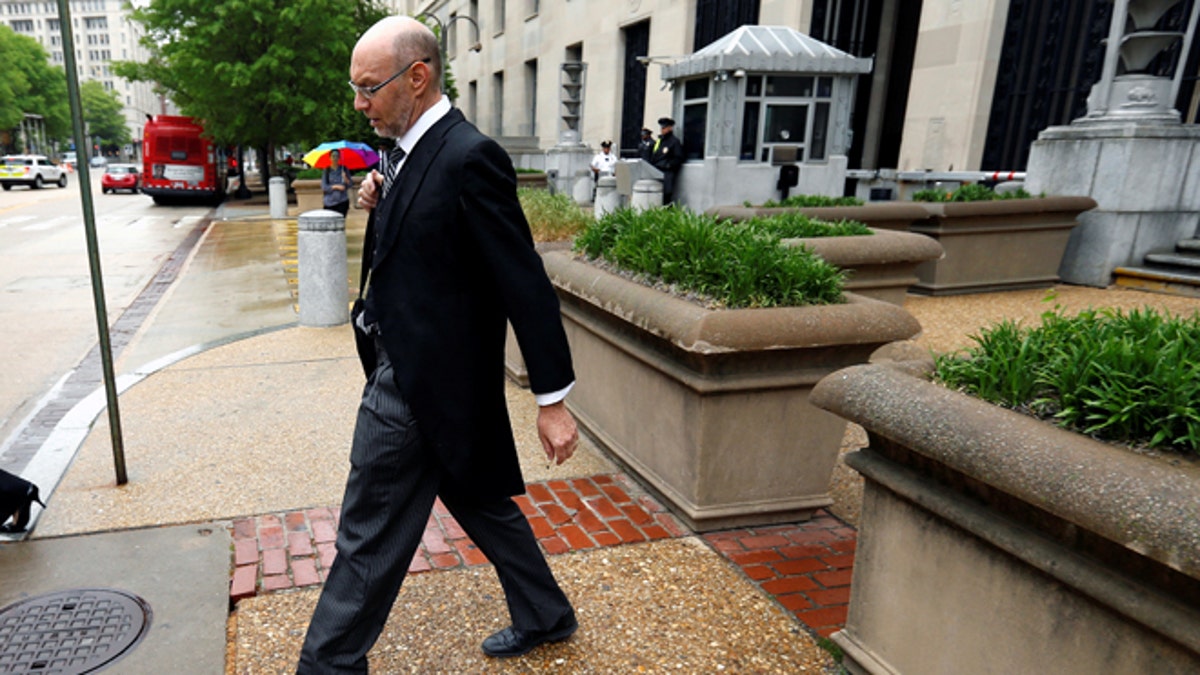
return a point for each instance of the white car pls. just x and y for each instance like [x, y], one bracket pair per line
[35, 171]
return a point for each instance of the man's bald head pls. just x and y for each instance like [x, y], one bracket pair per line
[405, 40]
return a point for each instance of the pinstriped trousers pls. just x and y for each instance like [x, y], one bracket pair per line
[389, 496]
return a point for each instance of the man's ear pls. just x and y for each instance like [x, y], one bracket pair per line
[421, 77]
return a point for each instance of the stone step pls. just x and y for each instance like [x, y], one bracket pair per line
[1190, 261]
[1176, 281]
[1188, 245]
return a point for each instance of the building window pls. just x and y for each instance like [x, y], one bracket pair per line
[501, 6]
[531, 82]
[695, 117]
[473, 101]
[786, 110]
[498, 104]
[22, 26]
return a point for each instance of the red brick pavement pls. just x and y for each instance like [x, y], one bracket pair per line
[804, 566]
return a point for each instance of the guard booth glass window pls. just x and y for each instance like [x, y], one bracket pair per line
[695, 117]
[786, 110]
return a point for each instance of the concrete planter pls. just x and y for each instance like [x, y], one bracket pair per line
[709, 408]
[881, 266]
[898, 216]
[532, 180]
[308, 194]
[993, 542]
[997, 245]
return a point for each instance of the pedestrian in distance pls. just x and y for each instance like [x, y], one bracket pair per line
[448, 258]
[335, 185]
[667, 157]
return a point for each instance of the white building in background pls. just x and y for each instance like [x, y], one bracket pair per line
[955, 85]
[103, 33]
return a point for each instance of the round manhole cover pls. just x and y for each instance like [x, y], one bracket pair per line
[76, 631]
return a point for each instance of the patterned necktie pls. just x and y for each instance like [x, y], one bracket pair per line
[392, 169]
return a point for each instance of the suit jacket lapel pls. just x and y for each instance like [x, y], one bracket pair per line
[395, 206]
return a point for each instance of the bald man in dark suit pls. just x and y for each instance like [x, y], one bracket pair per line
[450, 260]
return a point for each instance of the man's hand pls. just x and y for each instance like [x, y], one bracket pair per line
[368, 192]
[556, 428]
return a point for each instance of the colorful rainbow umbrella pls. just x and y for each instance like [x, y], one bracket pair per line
[353, 155]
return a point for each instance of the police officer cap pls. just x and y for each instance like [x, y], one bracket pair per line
[666, 122]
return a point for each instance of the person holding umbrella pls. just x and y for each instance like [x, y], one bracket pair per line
[335, 184]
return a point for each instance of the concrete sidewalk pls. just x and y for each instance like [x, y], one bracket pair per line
[238, 422]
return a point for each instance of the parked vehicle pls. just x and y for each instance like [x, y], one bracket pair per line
[98, 160]
[33, 170]
[179, 163]
[121, 177]
[69, 160]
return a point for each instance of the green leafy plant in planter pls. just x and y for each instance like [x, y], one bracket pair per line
[809, 201]
[552, 217]
[733, 266]
[308, 174]
[799, 226]
[970, 192]
[1126, 377]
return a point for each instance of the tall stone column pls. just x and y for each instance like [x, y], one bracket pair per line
[1130, 152]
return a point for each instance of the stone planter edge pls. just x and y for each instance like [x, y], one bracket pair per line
[882, 247]
[896, 216]
[1157, 515]
[696, 329]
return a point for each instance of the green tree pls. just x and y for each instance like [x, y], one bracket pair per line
[102, 111]
[29, 84]
[349, 123]
[260, 73]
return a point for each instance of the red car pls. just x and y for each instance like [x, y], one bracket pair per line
[121, 177]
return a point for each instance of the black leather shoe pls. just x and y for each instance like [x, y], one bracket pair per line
[515, 642]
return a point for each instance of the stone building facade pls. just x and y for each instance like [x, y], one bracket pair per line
[957, 85]
[103, 33]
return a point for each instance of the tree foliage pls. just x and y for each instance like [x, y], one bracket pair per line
[102, 110]
[29, 84]
[260, 73]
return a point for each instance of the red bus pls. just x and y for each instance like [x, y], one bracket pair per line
[179, 164]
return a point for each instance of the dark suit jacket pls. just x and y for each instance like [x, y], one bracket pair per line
[454, 260]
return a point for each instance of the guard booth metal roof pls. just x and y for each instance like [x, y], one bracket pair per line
[767, 49]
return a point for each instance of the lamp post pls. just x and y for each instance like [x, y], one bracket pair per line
[443, 28]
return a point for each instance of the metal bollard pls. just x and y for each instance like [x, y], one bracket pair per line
[324, 285]
[607, 197]
[647, 194]
[581, 192]
[277, 191]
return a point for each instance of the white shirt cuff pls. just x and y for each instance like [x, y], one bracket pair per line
[554, 396]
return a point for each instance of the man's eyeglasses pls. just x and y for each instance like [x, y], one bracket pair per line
[369, 92]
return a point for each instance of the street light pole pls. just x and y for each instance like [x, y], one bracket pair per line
[443, 28]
